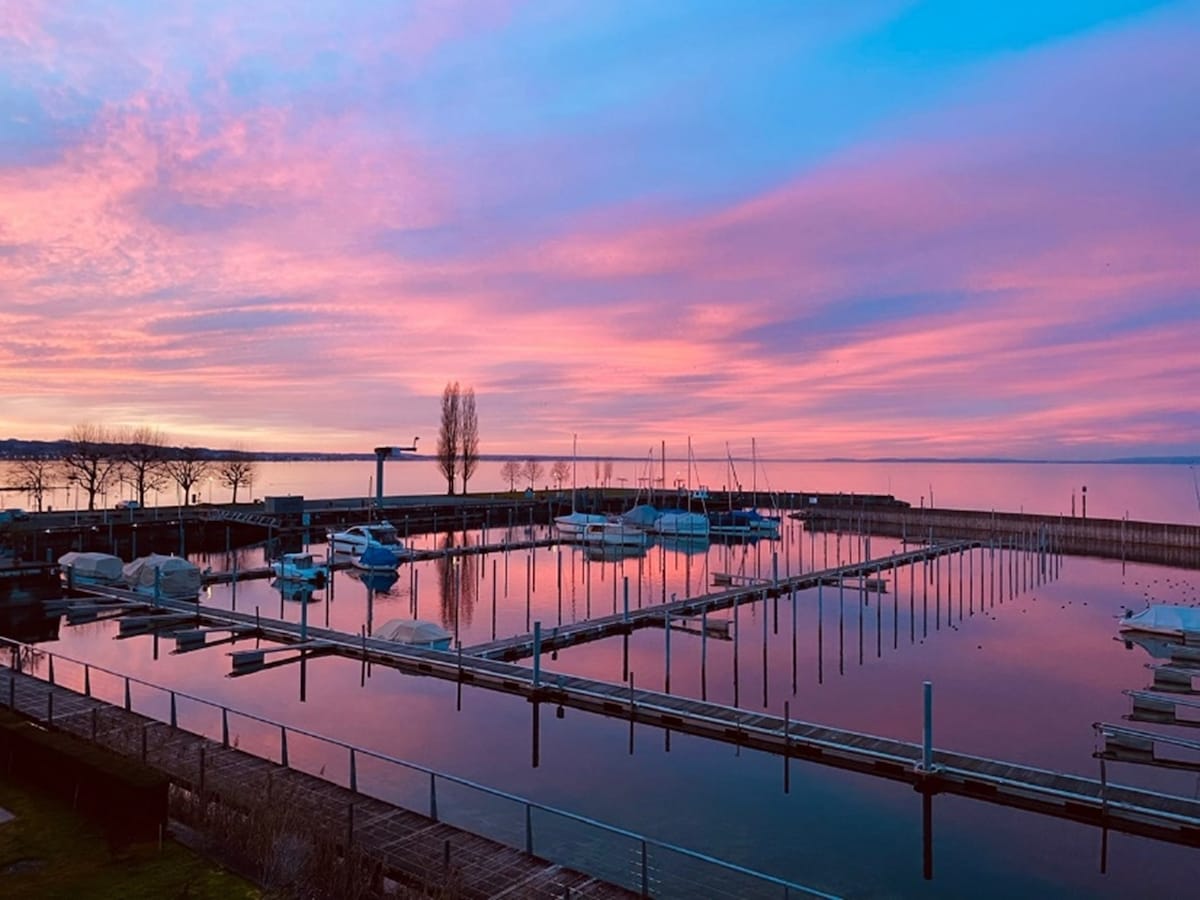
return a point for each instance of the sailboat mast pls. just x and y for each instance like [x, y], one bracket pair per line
[754, 476]
[574, 448]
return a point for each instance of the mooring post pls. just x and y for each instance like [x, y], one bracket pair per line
[667, 651]
[303, 619]
[537, 654]
[927, 741]
[87, 680]
[50, 706]
[625, 608]
[529, 829]
[174, 717]
[787, 753]
[224, 727]
[283, 753]
[645, 872]
[128, 699]
[433, 810]
[353, 772]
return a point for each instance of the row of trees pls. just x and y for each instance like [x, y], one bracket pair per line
[531, 470]
[458, 436]
[97, 459]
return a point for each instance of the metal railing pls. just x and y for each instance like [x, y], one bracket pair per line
[676, 870]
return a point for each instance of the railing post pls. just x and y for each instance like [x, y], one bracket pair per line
[224, 728]
[433, 812]
[353, 773]
[283, 755]
[529, 829]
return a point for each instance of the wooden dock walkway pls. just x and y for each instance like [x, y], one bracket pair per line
[558, 637]
[1175, 819]
[411, 847]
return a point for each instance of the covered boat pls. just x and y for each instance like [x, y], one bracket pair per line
[681, 522]
[743, 521]
[418, 632]
[167, 576]
[376, 557]
[1162, 618]
[90, 568]
[641, 516]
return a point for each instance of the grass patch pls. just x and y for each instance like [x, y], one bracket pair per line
[50, 851]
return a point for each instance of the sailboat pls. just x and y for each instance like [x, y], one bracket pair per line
[682, 522]
[576, 523]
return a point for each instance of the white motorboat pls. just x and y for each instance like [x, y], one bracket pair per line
[84, 569]
[1162, 618]
[300, 567]
[355, 539]
[612, 533]
[574, 524]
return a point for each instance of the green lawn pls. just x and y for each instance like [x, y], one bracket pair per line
[49, 851]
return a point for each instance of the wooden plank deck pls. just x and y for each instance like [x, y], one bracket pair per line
[411, 847]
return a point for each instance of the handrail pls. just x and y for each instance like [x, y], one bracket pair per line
[645, 840]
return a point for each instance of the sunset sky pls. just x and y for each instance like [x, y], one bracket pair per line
[845, 229]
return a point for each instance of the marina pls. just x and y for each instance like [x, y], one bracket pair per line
[678, 645]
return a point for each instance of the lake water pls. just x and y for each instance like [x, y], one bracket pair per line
[1019, 674]
[1160, 493]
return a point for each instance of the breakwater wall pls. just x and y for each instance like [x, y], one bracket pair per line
[1161, 543]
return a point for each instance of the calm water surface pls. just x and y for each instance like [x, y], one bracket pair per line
[1021, 670]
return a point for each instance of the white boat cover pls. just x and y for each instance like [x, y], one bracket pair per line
[1162, 618]
[682, 523]
[97, 568]
[412, 631]
[177, 577]
[642, 516]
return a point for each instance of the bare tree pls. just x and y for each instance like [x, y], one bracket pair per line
[236, 470]
[143, 455]
[468, 434]
[35, 476]
[187, 466]
[532, 470]
[89, 460]
[560, 471]
[448, 434]
[511, 471]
